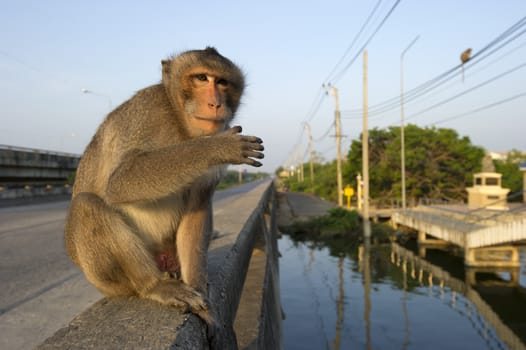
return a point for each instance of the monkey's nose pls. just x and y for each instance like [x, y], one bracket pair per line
[214, 105]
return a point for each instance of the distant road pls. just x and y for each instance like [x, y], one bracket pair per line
[41, 289]
[223, 194]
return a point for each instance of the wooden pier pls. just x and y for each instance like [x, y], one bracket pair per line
[486, 237]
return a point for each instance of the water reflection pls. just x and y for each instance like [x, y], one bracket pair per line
[482, 316]
[366, 273]
[386, 296]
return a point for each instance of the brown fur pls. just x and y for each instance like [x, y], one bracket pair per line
[138, 223]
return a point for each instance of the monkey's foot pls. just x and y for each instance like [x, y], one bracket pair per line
[175, 293]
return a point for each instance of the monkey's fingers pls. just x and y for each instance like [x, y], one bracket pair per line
[252, 162]
[253, 150]
[253, 146]
[253, 154]
[252, 139]
[237, 129]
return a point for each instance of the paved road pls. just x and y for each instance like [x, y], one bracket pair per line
[41, 289]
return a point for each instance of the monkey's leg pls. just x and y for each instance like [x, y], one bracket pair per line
[192, 245]
[115, 259]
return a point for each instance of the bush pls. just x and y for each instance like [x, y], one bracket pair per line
[338, 222]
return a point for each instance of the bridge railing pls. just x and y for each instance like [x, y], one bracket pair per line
[483, 215]
[39, 151]
[247, 237]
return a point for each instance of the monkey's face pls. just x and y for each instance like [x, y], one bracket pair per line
[207, 109]
[206, 86]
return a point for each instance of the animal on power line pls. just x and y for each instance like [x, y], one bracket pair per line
[464, 58]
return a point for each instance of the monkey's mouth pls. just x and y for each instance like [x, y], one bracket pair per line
[211, 119]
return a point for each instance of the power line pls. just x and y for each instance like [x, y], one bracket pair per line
[468, 91]
[443, 78]
[425, 88]
[340, 74]
[324, 134]
[316, 106]
[317, 102]
[449, 86]
[20, 62]
[354, 40]
[480, 109]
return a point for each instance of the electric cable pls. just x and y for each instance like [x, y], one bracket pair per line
[340, 74]
[354, 40]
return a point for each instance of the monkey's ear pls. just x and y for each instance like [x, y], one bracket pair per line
[166, 65]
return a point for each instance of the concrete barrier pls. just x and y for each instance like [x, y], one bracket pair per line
[32, 192]
[246, 244]
[28, 173]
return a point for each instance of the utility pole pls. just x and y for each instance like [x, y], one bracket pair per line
[338, 143]
[402, 134]
[307, 125]
[365, 144]
[299, 160]
[359, 193]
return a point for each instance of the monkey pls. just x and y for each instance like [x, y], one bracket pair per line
[139, 220]
[464, 58]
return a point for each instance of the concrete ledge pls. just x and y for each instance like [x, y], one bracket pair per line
[132, 323]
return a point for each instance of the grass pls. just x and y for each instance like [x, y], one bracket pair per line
[337, 223]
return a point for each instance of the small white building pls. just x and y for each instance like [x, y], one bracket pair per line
[487, 192]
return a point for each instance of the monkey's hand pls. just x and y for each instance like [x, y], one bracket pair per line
[240, 149]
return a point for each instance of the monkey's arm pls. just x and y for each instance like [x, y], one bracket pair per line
[143, 176]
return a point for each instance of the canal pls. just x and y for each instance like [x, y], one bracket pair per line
[345, 296]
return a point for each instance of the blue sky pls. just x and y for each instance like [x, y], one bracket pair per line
[51, 50]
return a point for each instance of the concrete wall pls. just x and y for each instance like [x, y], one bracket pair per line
[32, 192]
[30, 173]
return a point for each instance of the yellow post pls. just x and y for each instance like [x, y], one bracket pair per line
[348, 192]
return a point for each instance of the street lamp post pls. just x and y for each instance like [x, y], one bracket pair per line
[86, 91]
[402, 135]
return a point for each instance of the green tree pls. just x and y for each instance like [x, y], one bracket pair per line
[324, 181]
[439, 163]
[511, 174]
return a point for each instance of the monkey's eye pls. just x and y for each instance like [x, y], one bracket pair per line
[201, 77]
[222, 82]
